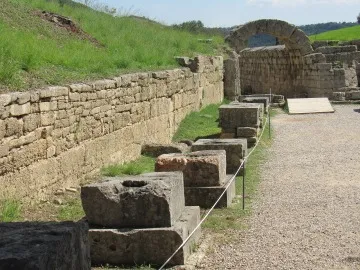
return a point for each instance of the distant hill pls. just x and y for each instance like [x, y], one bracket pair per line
[349, 33]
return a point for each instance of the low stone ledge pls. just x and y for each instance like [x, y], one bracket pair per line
[146, 246]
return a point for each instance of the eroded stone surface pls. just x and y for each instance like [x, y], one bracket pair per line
[236, 150]
[239, 115]
[200, 169]
[145, 246]
[205, 197]
[155, 150]
[247, 132]
[43, 246]
[145, 201]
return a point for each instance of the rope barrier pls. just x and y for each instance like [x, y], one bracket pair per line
[222, 194]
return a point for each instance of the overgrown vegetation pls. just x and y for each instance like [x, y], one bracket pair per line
[141, 165]
[10, 210]
[35, 52]
[344, 34]
[199, 124]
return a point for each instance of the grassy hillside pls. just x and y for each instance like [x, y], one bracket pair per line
[35, 52]
[349, 33]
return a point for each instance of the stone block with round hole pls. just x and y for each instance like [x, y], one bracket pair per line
[144, 201]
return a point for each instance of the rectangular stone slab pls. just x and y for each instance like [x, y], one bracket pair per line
[200, 169]
[144, 201]
[233, 116]
[309, 105]
[43, 246]
[205, 197]
[236, 150]
[145, 246]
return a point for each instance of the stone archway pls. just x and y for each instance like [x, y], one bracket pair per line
[288, 34]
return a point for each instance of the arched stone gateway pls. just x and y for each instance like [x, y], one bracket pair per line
[288, 34]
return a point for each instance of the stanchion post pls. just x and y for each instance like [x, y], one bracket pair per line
[269, 113]
[243, 186]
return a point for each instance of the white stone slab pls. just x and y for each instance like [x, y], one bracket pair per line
[309, 105]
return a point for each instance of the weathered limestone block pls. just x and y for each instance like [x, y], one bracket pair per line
[338, 96]
[54, 91]
[14, 126]
[155, 150]
[352, 95]
[236, 150]
[18, 110]
[336, 49]
[232, 88]
[200, 169]
[263, 100]
[145, 201]
[146, 246]
[239, 115]
[44, 246]
[245, 132]
[205, 197]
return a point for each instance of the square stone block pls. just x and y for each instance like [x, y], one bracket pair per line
[244, 115]
[253, 105]
[200, 169]
[205, 197]
[43, 246]
[146, 246]
[262, 100]
[145, 201]
[236, 150]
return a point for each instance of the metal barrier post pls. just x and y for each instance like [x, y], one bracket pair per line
[243, 186]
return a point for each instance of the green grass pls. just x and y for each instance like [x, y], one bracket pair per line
[34, 52]
[10, 210]
[71, 210]
[349, 33]
[233, 217]
[143, 164]
[199, 124]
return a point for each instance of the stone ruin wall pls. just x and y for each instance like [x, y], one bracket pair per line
[52, 138]
[288, 73]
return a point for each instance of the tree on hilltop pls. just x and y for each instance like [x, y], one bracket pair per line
[358, 18]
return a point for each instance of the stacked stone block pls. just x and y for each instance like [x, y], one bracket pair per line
[139, 220]
[52, 138]
[43, 246]
[204, 176]
[236, 150]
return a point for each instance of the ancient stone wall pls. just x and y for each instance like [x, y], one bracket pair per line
[343, 54]
[54, 137]
[288, 73]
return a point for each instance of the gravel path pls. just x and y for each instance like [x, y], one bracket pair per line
[307, 214]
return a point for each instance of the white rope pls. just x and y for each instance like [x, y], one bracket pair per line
[222, 194]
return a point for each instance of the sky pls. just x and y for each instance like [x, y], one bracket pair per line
[216, 13]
